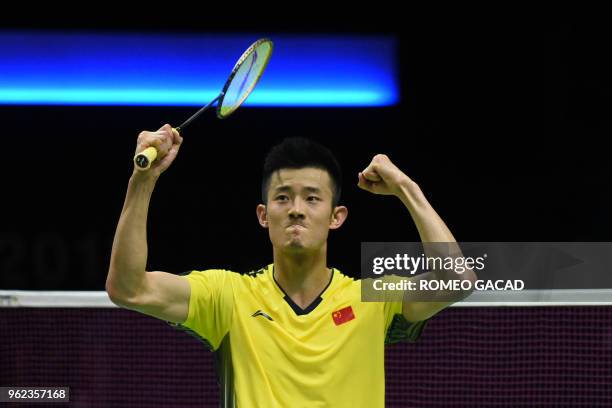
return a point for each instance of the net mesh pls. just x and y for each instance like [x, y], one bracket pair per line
[466, 357]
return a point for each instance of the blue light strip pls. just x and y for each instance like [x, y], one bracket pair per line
[50, 68]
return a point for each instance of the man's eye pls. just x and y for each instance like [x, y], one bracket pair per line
[313, 198]
[282, 197]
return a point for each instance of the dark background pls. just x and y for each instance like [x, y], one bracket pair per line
[503, 123]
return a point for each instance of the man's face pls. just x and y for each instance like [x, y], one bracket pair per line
[299, 211]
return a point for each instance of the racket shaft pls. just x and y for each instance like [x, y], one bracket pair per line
[198, 113]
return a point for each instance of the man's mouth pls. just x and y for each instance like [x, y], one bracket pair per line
[295, 226]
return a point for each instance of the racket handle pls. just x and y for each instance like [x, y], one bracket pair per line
[144, 159]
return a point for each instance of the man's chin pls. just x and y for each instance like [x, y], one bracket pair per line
[295, 245]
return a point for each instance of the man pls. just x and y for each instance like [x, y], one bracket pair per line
[295, 333]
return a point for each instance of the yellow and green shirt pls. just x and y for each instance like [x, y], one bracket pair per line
[271, 353]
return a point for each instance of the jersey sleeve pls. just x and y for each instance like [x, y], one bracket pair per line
[211, 306]
[397, 328]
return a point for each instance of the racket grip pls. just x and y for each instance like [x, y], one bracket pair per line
[144, 159]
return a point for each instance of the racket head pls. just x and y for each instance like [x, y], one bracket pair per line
[244, 76]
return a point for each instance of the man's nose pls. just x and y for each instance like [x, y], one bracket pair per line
[296, 209]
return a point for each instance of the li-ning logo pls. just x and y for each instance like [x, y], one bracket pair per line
[260, 313]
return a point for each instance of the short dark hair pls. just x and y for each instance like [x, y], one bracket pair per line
[298, 153]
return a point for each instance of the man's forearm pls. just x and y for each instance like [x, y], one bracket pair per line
[432, 230]
[429, 224]
[129, 255]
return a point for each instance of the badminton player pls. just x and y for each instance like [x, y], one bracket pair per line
[293, 333]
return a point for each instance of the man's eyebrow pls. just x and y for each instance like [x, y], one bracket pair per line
[285, 188]
[282, 188]
[313, 189]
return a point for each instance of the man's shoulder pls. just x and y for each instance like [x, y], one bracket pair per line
[231, 280]
[255, 273]
[344, 286]
[345, 279]
[221, 271]
[250, 276]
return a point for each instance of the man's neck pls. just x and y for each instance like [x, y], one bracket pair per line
[303, 277]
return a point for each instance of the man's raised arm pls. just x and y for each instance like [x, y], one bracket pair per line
[159, 294]
[383, 177]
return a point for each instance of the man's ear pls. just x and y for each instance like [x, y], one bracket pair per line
[339, 215]
[262, 215]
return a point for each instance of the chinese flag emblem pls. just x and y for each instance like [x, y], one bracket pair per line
[343, 315]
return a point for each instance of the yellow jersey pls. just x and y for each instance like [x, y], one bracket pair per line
[271, 353]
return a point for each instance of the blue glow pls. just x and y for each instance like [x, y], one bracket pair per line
[50, 68]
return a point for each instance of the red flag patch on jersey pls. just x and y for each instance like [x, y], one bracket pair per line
[343, 315]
